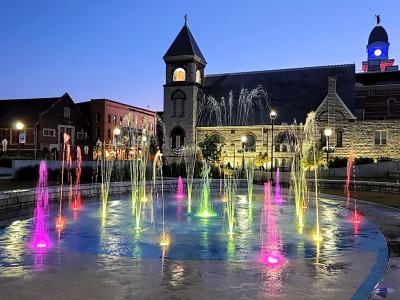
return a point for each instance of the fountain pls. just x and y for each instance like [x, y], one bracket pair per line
[299, 185]
[350, 173]
[105, 159]
[310, 157]
[40, 235]
[230, 198]
[180, 194]
[250, 179]
[205, 208]
[189, 156]
[77, 203]
[278, 194]
[271, 246]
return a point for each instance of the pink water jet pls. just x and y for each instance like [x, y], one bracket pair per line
[271, 254]
[180, 193]
[40, 238]
[77, 203]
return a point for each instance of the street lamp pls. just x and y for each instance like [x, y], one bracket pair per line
[327, 133]
[19, 125]
[272, 116]
[243, 140]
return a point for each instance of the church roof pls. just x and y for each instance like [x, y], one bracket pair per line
[378, 34]
[184, 44]
[25, 110]
[293, 93]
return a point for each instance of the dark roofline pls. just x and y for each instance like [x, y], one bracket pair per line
[282, 70]
[116, 102]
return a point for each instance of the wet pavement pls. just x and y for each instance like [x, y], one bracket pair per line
[387, 219]
[111, 261]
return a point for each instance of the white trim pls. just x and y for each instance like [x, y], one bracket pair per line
[49, 129]
[317, 112]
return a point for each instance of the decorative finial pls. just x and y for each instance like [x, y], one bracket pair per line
[186, 18]
[378, 19]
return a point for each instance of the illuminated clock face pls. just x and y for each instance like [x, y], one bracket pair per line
[377, 52]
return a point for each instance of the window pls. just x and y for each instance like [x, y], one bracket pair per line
[179, 74]
[67, 112]
[98, 117]
[80, 135]
[30, 136]
[177, 137]
[178, 95]
[114, 119]
[265, 137]
[98, 135]
[380, 137]
[109, 133]
[339, 138]
[49, 132]
[277, 147]
[4, 134]
[250, 144]
[182, 108]
[109, 119]
[121, 119]
[284, 148]
[198, 77]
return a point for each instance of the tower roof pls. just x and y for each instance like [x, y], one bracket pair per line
[184, 44]
[378, 34]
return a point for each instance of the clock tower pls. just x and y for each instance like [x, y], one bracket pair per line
[378, 50]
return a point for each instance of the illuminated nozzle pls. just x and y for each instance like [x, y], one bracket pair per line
[60, 222]
[165, 239]
[356, 218]
[317, 237]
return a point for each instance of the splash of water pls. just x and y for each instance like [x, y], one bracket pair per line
[278, 194]
[230, 198]
[250, 179]
[40, 238]
[180, 194]
[310, 150]
[205, 208]
[299, 185]
[271, 245]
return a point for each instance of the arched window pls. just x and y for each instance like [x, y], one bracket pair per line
[177, 137]
[198, 76]
[178, 96]
[250, 142]
[179, 74]
[391, 105]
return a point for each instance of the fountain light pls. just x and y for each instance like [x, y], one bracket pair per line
[165, 239]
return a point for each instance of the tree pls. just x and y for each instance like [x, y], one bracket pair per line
[211, 149]
[261, 159]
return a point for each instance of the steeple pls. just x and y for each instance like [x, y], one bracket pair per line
[185, 45]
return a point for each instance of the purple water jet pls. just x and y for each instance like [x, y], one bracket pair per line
[40, 234]
[180, 194]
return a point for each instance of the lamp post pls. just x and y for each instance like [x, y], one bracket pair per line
[19, 126]
[116, 133]
[327, 133]
[272, 116]
[243, 140]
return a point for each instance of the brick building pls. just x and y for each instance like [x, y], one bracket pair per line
[44, 122]
[105, 115]
[361, 109]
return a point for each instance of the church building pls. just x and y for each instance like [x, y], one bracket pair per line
[361, 110]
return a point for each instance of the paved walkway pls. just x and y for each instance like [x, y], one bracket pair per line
[387, 219]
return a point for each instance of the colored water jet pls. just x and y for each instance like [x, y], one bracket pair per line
[205, 208]
[250, 180]
[230, 194]
[189, 155]
[180, 194]
[271, 253]
[40, 238]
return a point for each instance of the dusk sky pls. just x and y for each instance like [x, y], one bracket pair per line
[114, 49]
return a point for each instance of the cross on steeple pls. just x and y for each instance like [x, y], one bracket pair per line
[186, 18]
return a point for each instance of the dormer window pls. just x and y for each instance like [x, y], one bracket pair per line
[198, 77]
[67, 112]
[179, 74]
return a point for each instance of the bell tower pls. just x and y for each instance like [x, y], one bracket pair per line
[183, 81]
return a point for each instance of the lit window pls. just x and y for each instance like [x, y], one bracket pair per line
[48, 132]
[380, 137]
[198, 76]
[67, 112]
[114, 119]
[179, 74]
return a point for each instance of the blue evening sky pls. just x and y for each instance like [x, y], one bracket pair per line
[113, 49]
